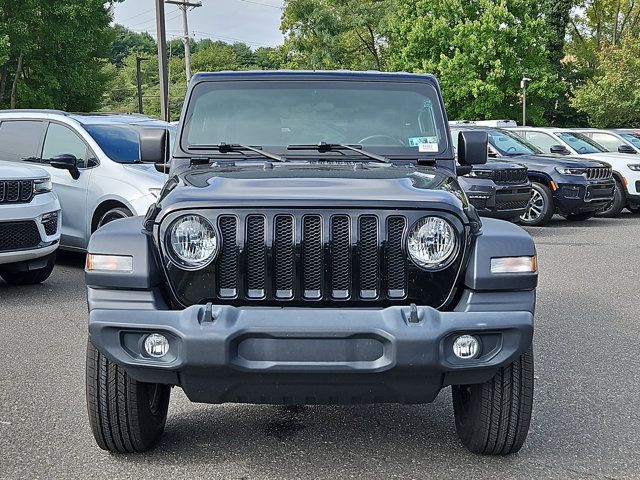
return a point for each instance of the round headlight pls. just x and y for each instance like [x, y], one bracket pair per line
[432, 243]
[192, 242]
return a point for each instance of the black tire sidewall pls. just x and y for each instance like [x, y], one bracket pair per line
[617, 205]
[122, 212]
[548, 206]
[30, 277]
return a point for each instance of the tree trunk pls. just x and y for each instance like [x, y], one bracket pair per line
[14, 87]
[3, 82]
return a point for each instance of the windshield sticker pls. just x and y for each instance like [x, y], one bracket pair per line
[427, 147]
[417, 141]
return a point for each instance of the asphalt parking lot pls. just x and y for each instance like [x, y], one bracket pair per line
[586, 421]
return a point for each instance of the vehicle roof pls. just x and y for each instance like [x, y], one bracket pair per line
[86, 118]
[314, 75]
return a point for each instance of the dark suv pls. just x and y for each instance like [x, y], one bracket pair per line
[576, 188]
[312, 246]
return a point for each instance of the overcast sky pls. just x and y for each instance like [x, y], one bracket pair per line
[255, 22]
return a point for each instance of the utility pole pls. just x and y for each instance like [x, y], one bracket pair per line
[184, 6]
[523, 85]
[162, 60]
[139, 60]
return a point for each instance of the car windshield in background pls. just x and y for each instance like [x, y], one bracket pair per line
[632, 138]
[509, 144]
[389, 118]
[581, 143]
[121, 143]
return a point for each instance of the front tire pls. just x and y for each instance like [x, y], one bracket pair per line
[617, 205]
[113, 214]
[540, 209]
[30, 277]
[493, 418]
[126, 416]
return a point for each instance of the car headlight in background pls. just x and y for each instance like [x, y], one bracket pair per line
[432, 243]
[480, 173]
[192, 242]
[42, 185]
[570, 171]
[634, 167]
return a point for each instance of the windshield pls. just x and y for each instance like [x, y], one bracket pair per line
[581, 143]
[506, 143]
[385, 117]
[121, 143]
[632, 138]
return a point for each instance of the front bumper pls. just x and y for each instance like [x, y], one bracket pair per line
[313, 355]
[583, 197]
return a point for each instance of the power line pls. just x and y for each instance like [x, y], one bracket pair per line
[138, 15]
[233, 39]
[184, 6]
[262, 4]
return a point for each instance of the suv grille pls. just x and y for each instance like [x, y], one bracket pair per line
[310, 256]
[510, 176]
[598, 173]
[16, 191]
[19, 235]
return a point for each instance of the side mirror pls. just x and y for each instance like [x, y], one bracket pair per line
[559, 150]
[153, 145]
[472, 147]
[66, 162]
[624, 148]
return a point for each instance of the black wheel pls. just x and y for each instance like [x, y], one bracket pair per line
[617, 204]
[126, 416]
[113, 214]
[540, 208]
[30, 277]
[580, 217]
[493, 418]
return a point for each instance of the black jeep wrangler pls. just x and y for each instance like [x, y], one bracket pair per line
[312, 246]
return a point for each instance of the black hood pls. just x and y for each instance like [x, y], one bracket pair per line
[551, 161]
[296, 184]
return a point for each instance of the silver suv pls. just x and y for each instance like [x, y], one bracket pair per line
[29, 224]
[93, 161]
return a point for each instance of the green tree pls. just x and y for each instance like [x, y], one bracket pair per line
[336, 33]
[612, 97]
[127, 42]
[479, 50]
[56, 54]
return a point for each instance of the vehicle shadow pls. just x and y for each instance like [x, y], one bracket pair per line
[70, 259]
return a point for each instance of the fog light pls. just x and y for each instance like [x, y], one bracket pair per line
[156, 345]
[466, 347]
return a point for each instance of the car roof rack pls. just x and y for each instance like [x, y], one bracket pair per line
[34, 110]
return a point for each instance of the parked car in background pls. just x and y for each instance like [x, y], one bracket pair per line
[576, 188]
[498, 189]
[93, 161]
[626, 167]
[611, 140]
[29, 223]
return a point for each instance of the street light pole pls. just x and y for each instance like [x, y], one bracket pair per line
[139, 82]
[162, 60]
[523, 85]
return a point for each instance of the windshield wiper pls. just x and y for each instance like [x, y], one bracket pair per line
[324, 147]
[223, 147]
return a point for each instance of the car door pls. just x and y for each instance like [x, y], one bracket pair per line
[72, 192]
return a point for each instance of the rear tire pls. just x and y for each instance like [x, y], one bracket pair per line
[493, 418]
[540, 209]
[126, 416]
[30, 277]
[617, 205]
[113, 214]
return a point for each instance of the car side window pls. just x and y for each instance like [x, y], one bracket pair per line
[608, 141]
[20, 139]
[61, 140]
[541, 140]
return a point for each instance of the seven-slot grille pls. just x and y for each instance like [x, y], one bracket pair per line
[16, 191]
[19, 235]
[598, 173]
[510, 176]
[312, 256]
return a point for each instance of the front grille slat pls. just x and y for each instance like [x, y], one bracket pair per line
[283, 256]
[368, 261]
[396, 272]
[228, 265]
[256, 256]
[340, 257]
[312, 257]
[510, 176]
[598, 173]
